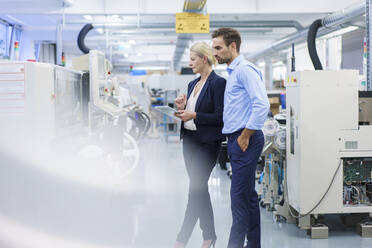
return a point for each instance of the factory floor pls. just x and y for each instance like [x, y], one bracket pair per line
[76, 205]
[166, 172]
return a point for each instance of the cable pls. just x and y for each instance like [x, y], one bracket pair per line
[81, 38]
[293, 59]
[311, 44]
[308, 213]
[357, 190]
[148, 123]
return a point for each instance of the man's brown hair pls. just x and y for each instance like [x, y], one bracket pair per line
[229, 35]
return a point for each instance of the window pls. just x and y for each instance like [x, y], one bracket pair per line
[3, 40]
[8, 34]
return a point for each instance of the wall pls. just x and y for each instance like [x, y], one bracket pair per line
[170, 81]
[352, 50]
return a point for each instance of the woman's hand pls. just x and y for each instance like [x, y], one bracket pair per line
[186, 115]
[180, 101]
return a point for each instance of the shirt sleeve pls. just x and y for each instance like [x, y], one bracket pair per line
[252, 81]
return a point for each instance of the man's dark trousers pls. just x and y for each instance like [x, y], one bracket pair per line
[244, 200]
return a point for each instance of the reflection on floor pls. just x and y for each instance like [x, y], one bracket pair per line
[165, 207]
[145, 210]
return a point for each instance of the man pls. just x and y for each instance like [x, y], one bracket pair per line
[245, 110]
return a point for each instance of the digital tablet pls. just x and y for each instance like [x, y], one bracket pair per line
[168, 111]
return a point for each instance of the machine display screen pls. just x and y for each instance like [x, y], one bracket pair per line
[68, 98]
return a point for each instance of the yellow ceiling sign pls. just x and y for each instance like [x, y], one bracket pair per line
[192, 23]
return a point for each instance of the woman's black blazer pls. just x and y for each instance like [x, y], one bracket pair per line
[209, 109]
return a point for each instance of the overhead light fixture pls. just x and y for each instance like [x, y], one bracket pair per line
[132, 42]
[88, 17]
[126, 55]
[114, 18]
[99, 30]
[68, 3]
[123, 46]
[139, 54]
[112, 24]
[153, 68]
[278, 63]
[261, 64]
[340, 32]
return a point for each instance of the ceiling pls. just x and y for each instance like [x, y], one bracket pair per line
[145, 39]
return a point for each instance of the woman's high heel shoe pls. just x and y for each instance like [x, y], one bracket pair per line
[209, 243]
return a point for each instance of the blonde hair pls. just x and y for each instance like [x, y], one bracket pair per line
[203, 49]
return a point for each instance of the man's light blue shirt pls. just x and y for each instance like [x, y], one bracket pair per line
[246, 104]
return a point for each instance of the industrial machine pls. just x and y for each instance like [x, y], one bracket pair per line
[41, 101]
[104, 89]
[103, 97]
[271, 179]
[329, 151]
[272, 183]
[116, 124]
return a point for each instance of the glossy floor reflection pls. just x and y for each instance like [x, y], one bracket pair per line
[40, 208]
[167, 196]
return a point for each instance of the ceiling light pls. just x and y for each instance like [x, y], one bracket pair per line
[99, 30]
[113, 24]
[340, 32]
[154, 68]
[126, 55]
[88, 17]
[114, 18]
[123, 46]
[132, 42]
[139, 54]
[68, 3]
[278, 63]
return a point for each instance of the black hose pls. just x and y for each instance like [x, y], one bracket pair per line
[83, 33]
[311, 37]
[293, 59]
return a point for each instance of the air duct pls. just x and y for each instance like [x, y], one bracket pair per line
[331, 23]
[68, 3]
[196, 6]
[213, 24]
[344, 15]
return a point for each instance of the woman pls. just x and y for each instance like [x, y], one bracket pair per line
[201, 114]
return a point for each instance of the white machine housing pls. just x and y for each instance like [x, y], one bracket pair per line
[322, 114]
[99, 81]
[43, 100]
